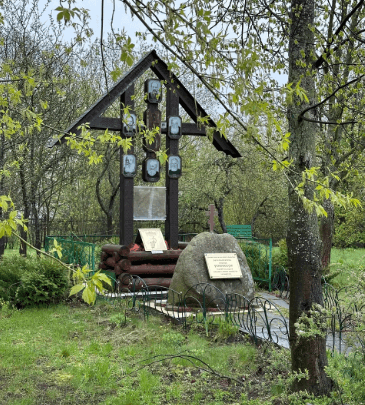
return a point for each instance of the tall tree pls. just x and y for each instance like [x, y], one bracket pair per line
[235, 49]
[303, 240]
[42, 77]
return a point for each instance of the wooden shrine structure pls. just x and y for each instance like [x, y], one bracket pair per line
[176, 95]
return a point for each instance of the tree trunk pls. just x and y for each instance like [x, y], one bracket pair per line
[219, 205]
[109, 223]
[24, 234]
[2, 153]
[303, 241]
[256, 215]
[326, 230]
[26, 213]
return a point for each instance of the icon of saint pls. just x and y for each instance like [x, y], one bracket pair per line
[175, 126]
[129, 126]
[154, 90]
[174, 166]
[129, 165]
[153, 167]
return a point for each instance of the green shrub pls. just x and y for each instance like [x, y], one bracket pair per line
[32, 281]
[349, 228]
[11, 269]
[280, 257]
[348, 373]
[257, 258]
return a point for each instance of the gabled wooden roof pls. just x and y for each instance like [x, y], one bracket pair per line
[150, 61]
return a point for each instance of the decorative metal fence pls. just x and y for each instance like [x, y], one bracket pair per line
[346, 317]
[73, 251]
[260, 318]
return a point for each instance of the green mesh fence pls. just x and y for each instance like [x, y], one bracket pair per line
[258, 253]
[73, 251]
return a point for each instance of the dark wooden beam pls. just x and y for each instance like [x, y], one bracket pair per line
[189, 129]
[108, 98]
[126, 184]
[103, 123]
[172, 185]
[192, 107]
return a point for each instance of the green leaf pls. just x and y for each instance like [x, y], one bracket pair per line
[105, 278]
[89, 295]
[76, 288]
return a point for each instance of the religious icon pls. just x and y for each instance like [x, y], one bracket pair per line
[174, 127]
[129, 168]
[174, 167]
[153, 89]
[151, 170]
[129, 125]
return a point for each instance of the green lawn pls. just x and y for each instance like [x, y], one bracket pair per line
[109, 354]
[349, 263]
[15, 251]
[81, 355]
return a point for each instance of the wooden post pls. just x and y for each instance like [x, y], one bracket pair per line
[172, 185]
[126, 184]
[211, 213]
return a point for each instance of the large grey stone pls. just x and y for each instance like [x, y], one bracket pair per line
[191, 272]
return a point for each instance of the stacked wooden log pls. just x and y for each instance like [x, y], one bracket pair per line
[155, 269]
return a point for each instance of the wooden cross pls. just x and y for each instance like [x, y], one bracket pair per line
[211, 214]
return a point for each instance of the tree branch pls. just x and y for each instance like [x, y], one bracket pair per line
[321, 59]
[301, 115]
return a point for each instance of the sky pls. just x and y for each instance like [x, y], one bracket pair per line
[121, 19]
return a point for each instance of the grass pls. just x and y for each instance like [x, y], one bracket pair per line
[74, 354]
[349, 263]
[15, 251]
[80, 355]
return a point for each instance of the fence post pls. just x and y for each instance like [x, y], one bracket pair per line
[93, 257]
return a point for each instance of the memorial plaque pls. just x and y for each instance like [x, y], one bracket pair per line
[174, 127]
[153, 89]
[129, 166]
[223, 265]
[129, 125]
[152, 239]
[151, 170]
[174, 166]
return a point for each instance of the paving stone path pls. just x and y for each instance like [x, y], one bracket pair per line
[282, 338]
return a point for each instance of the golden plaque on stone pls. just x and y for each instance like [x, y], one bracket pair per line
[223, 265]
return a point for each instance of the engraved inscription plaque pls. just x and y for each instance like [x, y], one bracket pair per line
[223, 265]
[152, 239]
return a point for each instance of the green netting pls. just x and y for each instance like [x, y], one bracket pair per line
[73, 251]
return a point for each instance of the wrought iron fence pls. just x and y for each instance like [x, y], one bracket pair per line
[347, 317]
[73, 251]
[259, 318]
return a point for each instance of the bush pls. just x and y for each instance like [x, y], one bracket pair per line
[11, 269]
[349, 228]
[257, 259]
[280, 257]
[32, 281]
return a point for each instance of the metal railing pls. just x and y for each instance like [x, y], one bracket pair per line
[73, 251]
